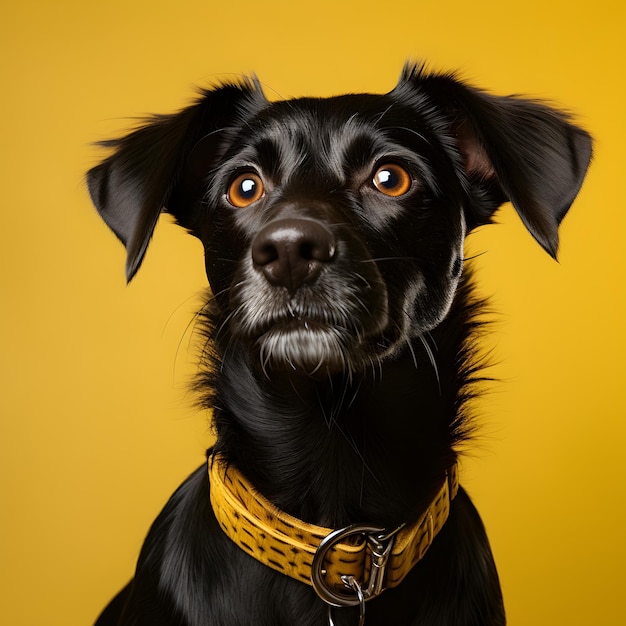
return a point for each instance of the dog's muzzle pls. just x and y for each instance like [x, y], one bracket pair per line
[309, 299]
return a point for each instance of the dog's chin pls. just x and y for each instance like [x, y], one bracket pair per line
[309, 349]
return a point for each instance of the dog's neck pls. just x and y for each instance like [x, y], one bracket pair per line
[337, 451]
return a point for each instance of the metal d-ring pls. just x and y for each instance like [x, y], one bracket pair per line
[381, 543]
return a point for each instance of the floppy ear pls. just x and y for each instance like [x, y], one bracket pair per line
[135, 183]
[513, 149]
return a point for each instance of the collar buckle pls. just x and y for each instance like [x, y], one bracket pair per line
[379, 543]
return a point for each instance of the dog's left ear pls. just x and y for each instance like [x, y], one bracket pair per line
[153, 166]
[513, 149]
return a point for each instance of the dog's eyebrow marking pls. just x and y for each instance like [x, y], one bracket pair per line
[269, 154]
[358, 152]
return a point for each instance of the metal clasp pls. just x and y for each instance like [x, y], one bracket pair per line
[380, 543]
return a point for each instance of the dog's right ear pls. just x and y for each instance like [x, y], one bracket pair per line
[134, 184]
[512, 149]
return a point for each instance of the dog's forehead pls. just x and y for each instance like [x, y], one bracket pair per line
[328, 131]
[324, 118]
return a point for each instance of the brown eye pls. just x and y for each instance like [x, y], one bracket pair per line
[392, 180]
[246, 189]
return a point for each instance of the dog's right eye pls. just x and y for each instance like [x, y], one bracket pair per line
[245, 190]
[392, 180]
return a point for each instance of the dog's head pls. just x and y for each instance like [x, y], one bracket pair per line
[334, 228]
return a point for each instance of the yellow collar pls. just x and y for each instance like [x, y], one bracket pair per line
[345, 566]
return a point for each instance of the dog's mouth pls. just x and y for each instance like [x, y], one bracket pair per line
[306, 346]
[315, 341]
[314, 346]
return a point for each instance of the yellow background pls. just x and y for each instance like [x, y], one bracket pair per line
[97, 428]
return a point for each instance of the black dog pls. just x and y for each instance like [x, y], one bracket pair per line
[340, 344]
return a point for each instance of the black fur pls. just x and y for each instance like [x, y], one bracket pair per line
[340, 338]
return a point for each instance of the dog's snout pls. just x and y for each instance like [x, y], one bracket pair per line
[291, 252]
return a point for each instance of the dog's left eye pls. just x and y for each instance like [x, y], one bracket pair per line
[392, 180]
[246, 189]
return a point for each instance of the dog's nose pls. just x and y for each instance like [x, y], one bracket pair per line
[291, 252]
